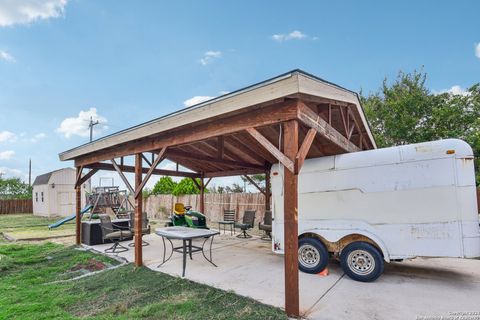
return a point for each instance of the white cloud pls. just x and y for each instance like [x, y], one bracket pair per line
[26, 11]
[5, 155]
[79, 125]
[455, 90]
[7, 136]
[210, 56]
[294, 35]
[477, 50]
[5, 56]
[37, 137]
[11, 172]
[196, 100]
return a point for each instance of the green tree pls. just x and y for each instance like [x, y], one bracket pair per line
[165, 185]
[234, 188]
[14, 188]
[186, 186]
[259, 179]
[405, 111]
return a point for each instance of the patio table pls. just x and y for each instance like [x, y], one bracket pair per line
[186, 235]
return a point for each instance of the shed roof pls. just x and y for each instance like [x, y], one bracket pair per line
[42, 179]
[45, 178]
[291, 84]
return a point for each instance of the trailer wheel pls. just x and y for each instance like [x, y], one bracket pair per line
[361, 261]
[312, 255]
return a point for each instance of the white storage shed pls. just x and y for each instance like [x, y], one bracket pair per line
[54, 193]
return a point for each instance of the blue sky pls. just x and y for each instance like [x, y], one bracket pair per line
[136, 60]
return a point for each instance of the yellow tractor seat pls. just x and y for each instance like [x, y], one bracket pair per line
[179, 209]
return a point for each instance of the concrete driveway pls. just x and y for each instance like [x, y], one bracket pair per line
[407, 290]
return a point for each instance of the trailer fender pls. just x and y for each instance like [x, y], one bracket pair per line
[335, 235]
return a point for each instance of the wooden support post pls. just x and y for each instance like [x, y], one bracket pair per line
[202, 195]
[290, 205]
[156, 162]
[78, 208]
[267, 190]
[138, 211]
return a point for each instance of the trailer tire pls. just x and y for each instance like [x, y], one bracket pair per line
[361, 261]
[312, 255]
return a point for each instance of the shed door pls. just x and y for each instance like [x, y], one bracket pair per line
[66, 203]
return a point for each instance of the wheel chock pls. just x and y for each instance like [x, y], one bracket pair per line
[323, 273]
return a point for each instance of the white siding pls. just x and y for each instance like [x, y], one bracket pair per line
[40, 207]
[59, 194]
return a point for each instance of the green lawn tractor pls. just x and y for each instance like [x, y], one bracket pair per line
[184, 216]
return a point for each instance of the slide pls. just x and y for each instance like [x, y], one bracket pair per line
[69, 218]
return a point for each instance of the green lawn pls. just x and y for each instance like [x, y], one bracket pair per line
[26, 271]
[27, 226]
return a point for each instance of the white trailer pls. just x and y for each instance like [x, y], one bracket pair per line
[381, 205]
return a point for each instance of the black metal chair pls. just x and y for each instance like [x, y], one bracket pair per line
[228, 220]
[145, 228]
[247, 223]
[266, 226]
[112, 234]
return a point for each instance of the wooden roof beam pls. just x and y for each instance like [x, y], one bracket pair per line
[229, 173]
[252, 146]
[266, 116]
[180, 154]
[110, 167]
[312, 120]
[289, 164]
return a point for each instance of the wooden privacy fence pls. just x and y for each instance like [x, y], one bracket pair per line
[160, 206]
[16, 206]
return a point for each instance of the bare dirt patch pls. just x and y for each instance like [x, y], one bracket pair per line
[91, 265]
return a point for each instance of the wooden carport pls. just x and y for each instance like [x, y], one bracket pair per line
[286, 120]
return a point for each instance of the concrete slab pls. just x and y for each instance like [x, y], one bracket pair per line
[406, 290]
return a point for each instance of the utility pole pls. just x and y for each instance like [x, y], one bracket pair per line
[90, 125]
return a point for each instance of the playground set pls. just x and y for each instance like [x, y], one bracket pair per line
[101, 200]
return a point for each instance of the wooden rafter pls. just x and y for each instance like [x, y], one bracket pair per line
[271, 148]
[311, 119]
[261, 117]
[344, 121]
[196, 157]
[247, 145]
[197, 151]
[220, 147]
